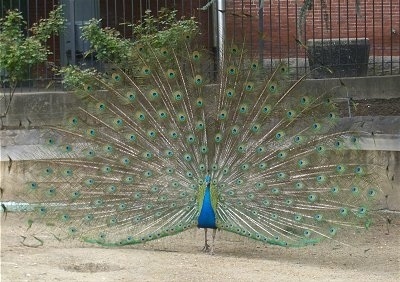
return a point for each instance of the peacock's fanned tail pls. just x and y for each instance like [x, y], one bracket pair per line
[131, 161]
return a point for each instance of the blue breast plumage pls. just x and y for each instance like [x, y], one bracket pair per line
[207, 214]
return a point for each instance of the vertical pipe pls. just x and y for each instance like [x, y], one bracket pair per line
[220, 28]
[215, 26]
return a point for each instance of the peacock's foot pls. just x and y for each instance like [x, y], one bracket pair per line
[211, 252]
[206, 248]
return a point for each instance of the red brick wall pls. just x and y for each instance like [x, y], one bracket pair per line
[377, 20]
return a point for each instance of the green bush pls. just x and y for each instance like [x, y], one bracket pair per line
[19, 52]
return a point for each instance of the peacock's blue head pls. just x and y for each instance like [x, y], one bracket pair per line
[207, 179]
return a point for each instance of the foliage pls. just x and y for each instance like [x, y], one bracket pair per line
[47, 27]
[161, 31]
[75, 77]
[164, 30]
[18, 51]
[108, 45]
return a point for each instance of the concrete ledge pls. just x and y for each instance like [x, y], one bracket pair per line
[38, 108]
[370, 87]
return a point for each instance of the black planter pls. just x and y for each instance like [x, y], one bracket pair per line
[339, 57]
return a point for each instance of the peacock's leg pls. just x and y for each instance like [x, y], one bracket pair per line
[206, 246]
[213, 241]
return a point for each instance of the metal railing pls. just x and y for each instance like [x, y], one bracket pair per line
[356, 37]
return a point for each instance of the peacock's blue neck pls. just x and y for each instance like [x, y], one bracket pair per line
[207, 214]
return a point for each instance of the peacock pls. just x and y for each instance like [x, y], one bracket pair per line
[161, 143]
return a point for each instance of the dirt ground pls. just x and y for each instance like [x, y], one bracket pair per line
[372, 255]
